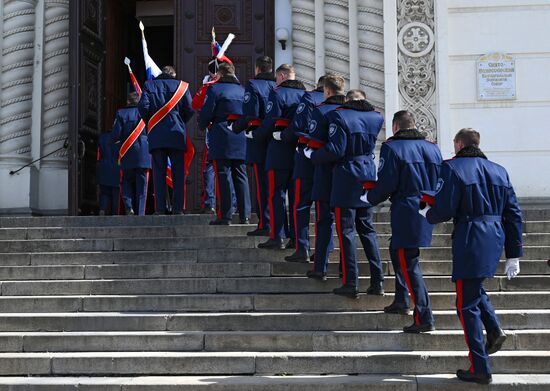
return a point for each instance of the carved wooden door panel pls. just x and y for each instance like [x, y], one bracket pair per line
[87, 57]
[252, 22]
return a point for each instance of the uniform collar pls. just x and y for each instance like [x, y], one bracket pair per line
[471, 152]
[335, 100]
[264, 76]
[164, 76]
[358, 105]
[296, 84]
[229, 80]
[408, 134]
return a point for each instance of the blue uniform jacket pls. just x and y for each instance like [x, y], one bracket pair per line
[352, 134]
[282, 103]
[223, 98]
[477, 194]
[322, 172]
[301, 123]
[254, 104]
[137, 156]
[107, 169]
[409, 165]
[171, 131]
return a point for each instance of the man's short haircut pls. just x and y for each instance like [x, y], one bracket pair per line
[335, 84]
[169, 70]
[133, 98]
[286, 69]
[469, 137]
[226, 69]
[264, 64]
[321, 81]
[404, 120]
[356, 95]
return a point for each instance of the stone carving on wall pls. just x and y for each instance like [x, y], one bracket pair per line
[55, 117]
[17, 78]
[416, 62]
[303, 40]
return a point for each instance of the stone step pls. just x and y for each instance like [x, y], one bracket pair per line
[260, 363]
[247, 302]
[251, 321]
[240, 285]
[255, 341]
[200, 270]
[393, 382]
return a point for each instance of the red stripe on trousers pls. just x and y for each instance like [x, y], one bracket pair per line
[258, 197]
[342, 255]
[271, 180]
[403, 263]
[121, 175]
[298, 185]
[317, 214]
[459, 301]
[203, 167]
[218, 197]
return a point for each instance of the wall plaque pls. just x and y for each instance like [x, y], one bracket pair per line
[496, 77]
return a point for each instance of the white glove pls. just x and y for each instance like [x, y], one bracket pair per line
[206, 79]
[511, 269]
[364, 197]
[277, 136]
[307, 152]
[249, 134]
[425, 210]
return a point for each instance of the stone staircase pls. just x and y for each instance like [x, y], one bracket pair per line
[170, 303]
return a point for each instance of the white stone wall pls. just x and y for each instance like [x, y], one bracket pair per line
[34, 105]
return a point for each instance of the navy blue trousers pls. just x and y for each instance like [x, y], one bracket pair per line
[349, 220]
[231, 175]
[109, 195]
[160, 164]
[209, 188]
[262, 210]
[408, 277]
[302, 211]
[475, 311]
[134, 189]
[324, 219]
[280, 183]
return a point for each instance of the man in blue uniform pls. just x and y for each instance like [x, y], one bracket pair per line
[254, 105]
[130, 132]
[408, 165]
[108, 175]
[281, 107]
[352, 134]
[478, 195]
[165, 106]
[302, 175]
[322, 175]
[226, 148]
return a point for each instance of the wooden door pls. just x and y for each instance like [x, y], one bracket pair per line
[87, 47]
[252, 22]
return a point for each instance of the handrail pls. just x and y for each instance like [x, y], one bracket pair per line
[65, 146]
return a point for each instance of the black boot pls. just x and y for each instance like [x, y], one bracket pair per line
[258, 232]
[316, 275]
[291, 244]
[495, 339]
[300, 255]
[420, 328]
[347, 290]
[480, 378]
[376, 289]
[220, 222]
[245, 221]
[273, 244]
[395, 308]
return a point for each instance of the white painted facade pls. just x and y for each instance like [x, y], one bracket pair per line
[388, 48]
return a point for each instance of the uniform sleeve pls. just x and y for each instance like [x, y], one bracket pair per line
[335, 148]
[513, 226]
[206, 114]
[144, 103]
[388, 176]
[185, 107]
[117, 130]
[251, 109]
[447, 197]
[273, 110]
[300, 120]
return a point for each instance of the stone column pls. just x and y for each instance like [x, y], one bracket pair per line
[303, 40]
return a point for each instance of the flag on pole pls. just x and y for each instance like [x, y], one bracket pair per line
[135, 83]
[151, 67]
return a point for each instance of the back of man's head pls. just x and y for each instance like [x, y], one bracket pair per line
[226, 69]
[468, 137]
[169, 70]
[404, 120]
[335, 84]
[287, 70]
[132, 99]
[264, 64]
[356, 95]
[321, 81]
